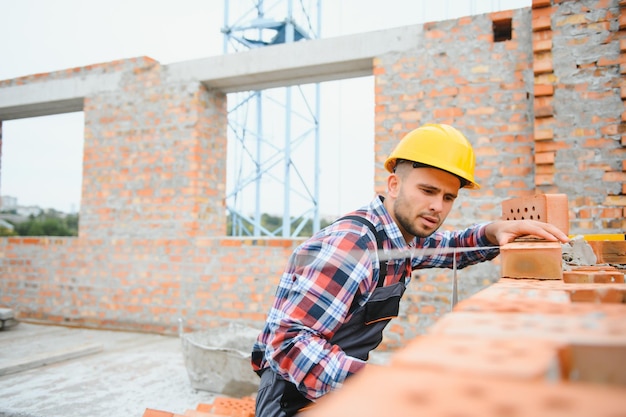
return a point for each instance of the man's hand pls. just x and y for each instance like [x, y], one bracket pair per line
[501, 232]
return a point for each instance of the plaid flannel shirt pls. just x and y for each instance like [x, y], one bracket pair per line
[317, 288]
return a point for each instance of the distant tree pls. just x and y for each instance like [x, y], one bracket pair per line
[4, 232]
[71, 220]
[50, 223]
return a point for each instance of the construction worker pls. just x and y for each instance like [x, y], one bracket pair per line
[336, 296]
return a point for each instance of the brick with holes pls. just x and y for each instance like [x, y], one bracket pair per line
[547, 208]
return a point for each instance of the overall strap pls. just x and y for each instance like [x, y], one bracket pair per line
[379, 243]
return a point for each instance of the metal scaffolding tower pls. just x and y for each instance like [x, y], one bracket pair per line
[273, 135]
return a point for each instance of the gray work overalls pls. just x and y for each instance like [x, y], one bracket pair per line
[357, 337]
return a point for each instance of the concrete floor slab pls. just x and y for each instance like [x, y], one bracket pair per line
[131, 372]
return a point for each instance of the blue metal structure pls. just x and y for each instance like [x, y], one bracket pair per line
[272, 162]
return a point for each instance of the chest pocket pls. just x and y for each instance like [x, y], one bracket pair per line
[384, 304]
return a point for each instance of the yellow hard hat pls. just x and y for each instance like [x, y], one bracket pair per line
[440, 146]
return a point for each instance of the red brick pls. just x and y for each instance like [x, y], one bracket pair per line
[544, 90]
[597, 364]
[544, 179]
[603, 294]
[543, 65]
[234, 407]
[593, 277]
[196, 413]
[615, 200]
[542, 45]
[550, 145]
[544, 157]
[539, 260]
[434, 34]
[614, 176]
[544, 106]
[545, 169]
[541, 3]
[609, 251]
[541, 23]
[549, 208]
[605, 62]
[33, 241]
[575, 19]
[501, 15]
[451, 112]
[542, 35]
[157, 413]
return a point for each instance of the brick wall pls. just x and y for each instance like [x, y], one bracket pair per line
[579, 72]
[544, 110]
[154, 159]
[140, 284]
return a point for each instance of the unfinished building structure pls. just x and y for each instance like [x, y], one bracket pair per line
[538, 91]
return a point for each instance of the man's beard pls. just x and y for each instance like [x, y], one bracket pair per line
[408, 224]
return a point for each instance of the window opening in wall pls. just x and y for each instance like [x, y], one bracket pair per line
[41, 162]
[502, 30]
[346, 147]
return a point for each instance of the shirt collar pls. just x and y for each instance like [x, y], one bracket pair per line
[391, 229]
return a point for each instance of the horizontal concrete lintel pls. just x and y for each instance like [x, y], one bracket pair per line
[288, 78]
[57, 96]
[46, 108]
[297, 63]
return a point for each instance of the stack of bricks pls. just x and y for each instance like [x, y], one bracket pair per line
[531, 258]
[528, 345]
[543, 69]
[221, 407]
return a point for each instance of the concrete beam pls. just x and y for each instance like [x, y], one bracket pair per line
[297, 63]
[269, 67]
[43, 98]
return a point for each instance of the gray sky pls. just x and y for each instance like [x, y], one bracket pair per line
[41, 162]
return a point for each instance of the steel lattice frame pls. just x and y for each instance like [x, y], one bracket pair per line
[269, 160]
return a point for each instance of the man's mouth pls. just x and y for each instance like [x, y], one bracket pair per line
[430, 221]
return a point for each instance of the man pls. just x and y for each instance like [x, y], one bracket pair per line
[336, 296]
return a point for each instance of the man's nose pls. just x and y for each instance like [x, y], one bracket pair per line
[436, 204]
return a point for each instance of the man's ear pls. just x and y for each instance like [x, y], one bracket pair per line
[393, 185]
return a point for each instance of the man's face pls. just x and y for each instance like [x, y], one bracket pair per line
[422, 199]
